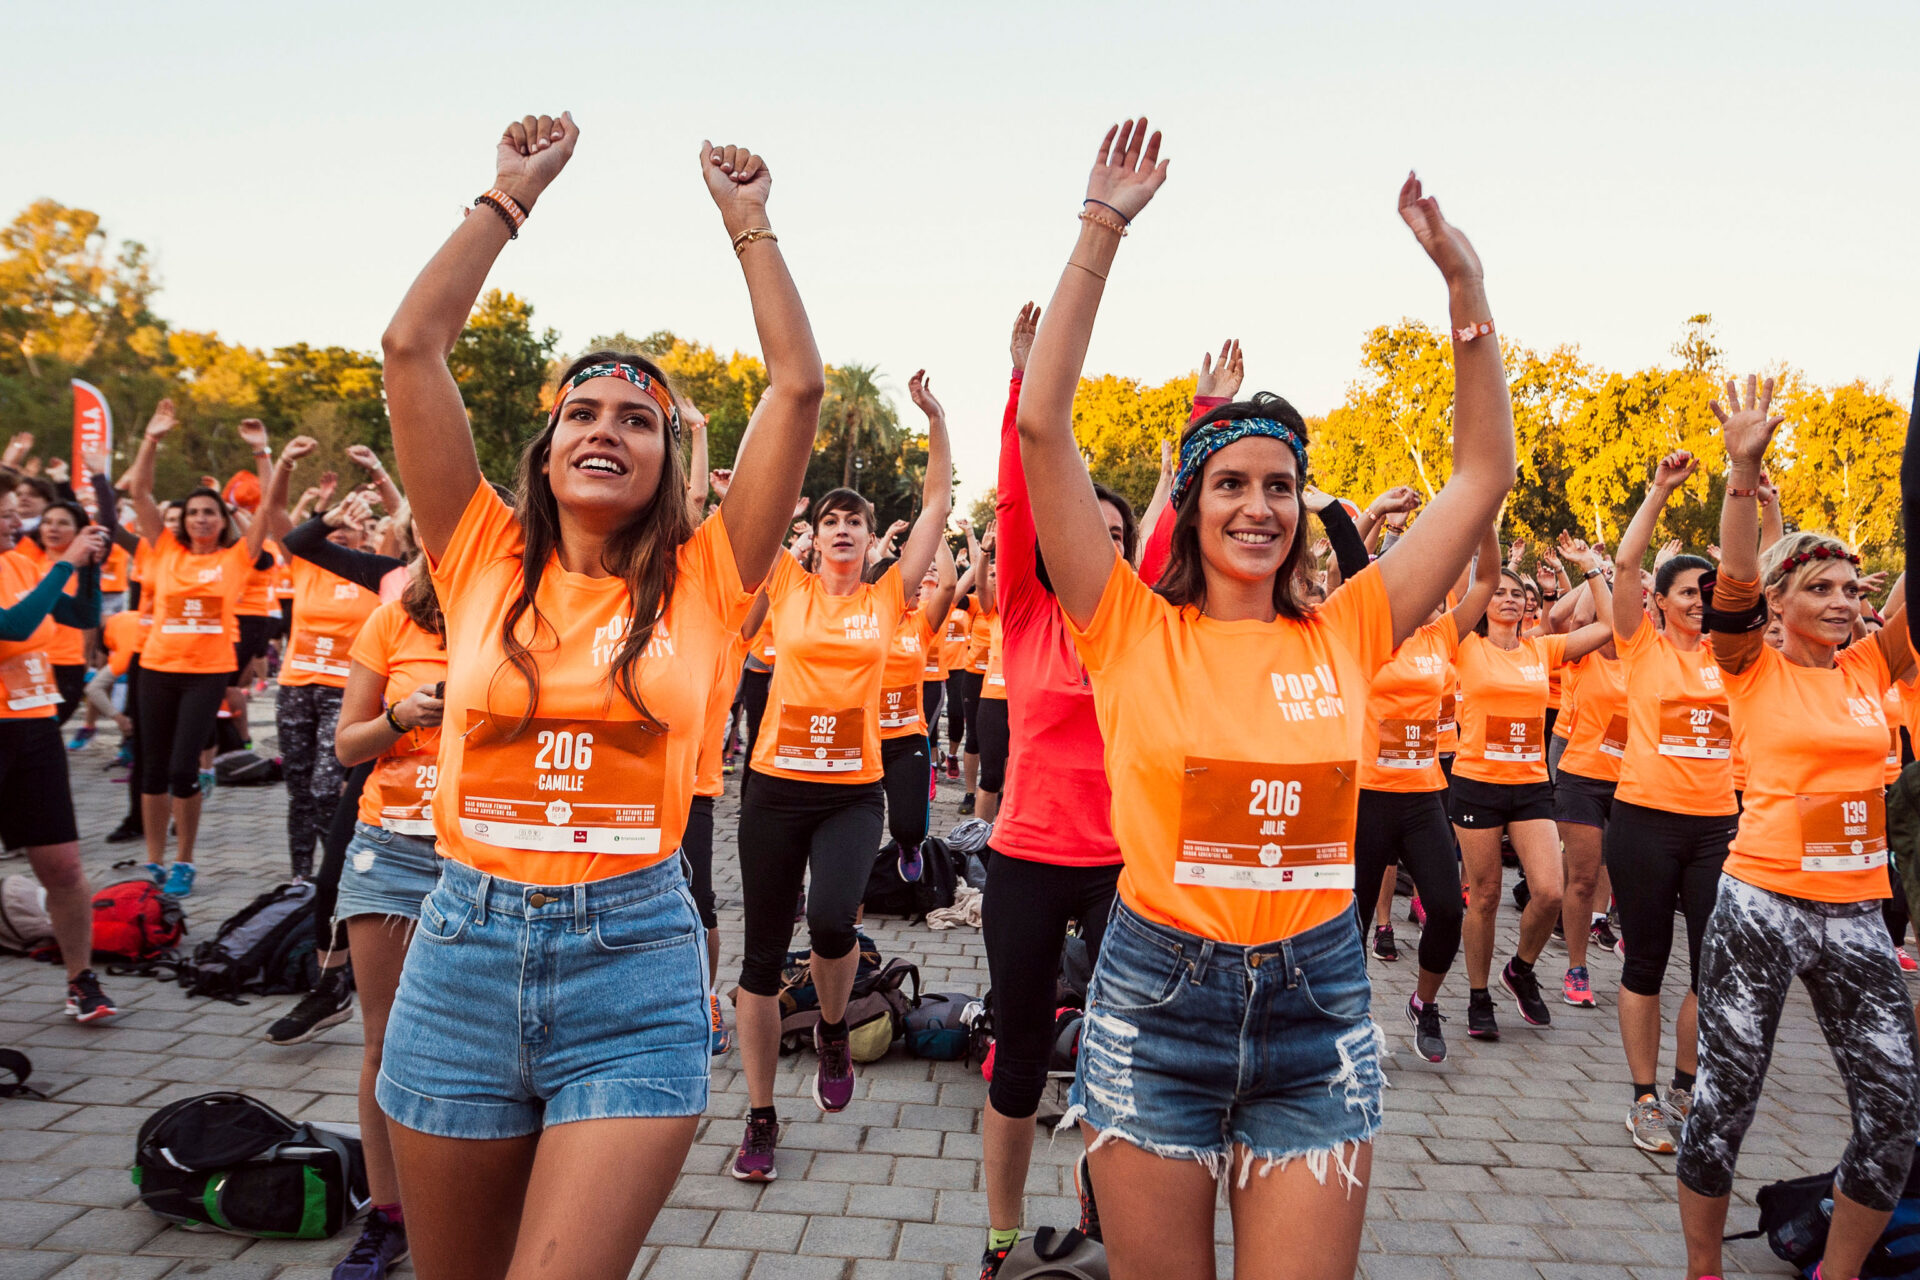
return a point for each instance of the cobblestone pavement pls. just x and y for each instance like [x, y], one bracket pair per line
[1509, 1161]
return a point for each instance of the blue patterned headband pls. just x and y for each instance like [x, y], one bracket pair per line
[1215, 436]
[620, 369]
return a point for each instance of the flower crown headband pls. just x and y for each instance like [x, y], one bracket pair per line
[620, 369]
[1794, 561]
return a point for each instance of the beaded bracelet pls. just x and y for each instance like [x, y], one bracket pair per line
[1101, 220]
[1472, 331]
[511, 211]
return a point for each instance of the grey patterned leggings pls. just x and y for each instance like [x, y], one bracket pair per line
[306, 716]
[1757, 941]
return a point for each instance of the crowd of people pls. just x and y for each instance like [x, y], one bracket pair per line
[1208, 742]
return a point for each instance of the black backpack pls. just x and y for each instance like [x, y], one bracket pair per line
[888, 895]
[227, 1162]
[246, 769]
[266, 948]
[1796, 1214]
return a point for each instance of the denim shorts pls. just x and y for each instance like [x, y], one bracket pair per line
[1203, 1050]
[385, 874]
[522, 1005]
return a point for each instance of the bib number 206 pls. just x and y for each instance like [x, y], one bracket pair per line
[1274, 799]
[564, 750]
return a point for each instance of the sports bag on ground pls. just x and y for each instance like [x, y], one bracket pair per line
[266, 948]
[247, 769]
[25, 926]
[876, 1012]
[940, 1026]
[888, 895]
[1796, 1214]
[135, 923]
[1055, 1255]
[227, 1162]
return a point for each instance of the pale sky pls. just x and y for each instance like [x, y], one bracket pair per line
[1619, 169]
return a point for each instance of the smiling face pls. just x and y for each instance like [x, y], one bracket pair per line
[1682, 605]
[205, 520]
[606, 453]
[1249, 509]
[1509, 604]
[57, 529]
[1819, 604]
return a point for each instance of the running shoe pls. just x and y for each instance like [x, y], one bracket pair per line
[1647, 1122]
[966, 805]
[1383, 944]
[722, 1039]
[179, 880]
[81, 738]
[1907, 963]
[329, 1004]
[755, 1161]
[382, 1247]
[86, 1002]
[127, 832]
[1560, 930]
[953, 767]
[1524, 987]
[1428, 1040]
[1089, 1207]
[122, 759]
[207, 782]
[992, 1260]
[1481, 1024]
[1576, 989]
[1601, 935]
[155, 871]
[833, 1079]
[1417, 912]
[1679, 1105]
[910, 863]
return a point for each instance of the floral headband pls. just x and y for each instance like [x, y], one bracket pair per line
[1793, 562]
[1215, 436]
[620, 369]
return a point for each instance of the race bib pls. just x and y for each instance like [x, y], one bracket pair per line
[1843, 831]
[194, 616]
[1516, 741]
[1614, 741]
[28, 681]
[1245, 825]
[997, 679]
[932, 671]
[407, 784]
[816, 740]
[563, 786]
[1408, 744]
[1447, 722]
[318, 653]
[900, 708]
[1695, 730]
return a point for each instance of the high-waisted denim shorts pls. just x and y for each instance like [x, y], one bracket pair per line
[523, 1005]
[385, 874]
[1202, 1050]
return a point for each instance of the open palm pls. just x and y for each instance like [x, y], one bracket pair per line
[1445, 243]
[1128, 169]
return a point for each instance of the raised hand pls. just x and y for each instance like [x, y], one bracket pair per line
[1516, 553]
[329, 481]
[1767, 491]
[353, 512]
[1025, 325]
[1575, 550]
[1675, 470]
[1401, 500]
[17, 448]
[366, 458]
[1871, 583]
[531, 153]
[1128, 169]
[162, 420]
[1168, 459]
[1714, 551]
[894, 531]
[89, 546]
[920, 388]
[300, 446]
[691, 418]
[720, 479]
[1668, 550]
[1445, 243]
[1222, 379]
[96, 461]
[254, 432]
[57, 471]
[739, 182]
[1747, 423]
[1314, 500]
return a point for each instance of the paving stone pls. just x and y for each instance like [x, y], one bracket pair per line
[24, 1222]
[107, 1231]
[851, 1237]
[112, 1268]
[774, 1267]
[22, 1264]
[735, 1229]
[676, 1263]
[103, 1188]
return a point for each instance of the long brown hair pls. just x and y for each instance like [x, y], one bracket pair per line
[422, 602]
[642, 552]
[1185, 580]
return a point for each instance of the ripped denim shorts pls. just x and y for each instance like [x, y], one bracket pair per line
[385, 874]
[1203, 1050]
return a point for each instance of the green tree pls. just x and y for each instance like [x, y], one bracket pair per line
[500, 362]
[1119, 424]
[1841, 465]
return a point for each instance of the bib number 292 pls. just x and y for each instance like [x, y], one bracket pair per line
[822, 724]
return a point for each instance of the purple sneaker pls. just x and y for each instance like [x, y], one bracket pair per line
[755, 1161]
[833, 1082]
[382, 1247]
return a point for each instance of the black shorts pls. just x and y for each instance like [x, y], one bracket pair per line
[1583, 801]
[38, 809]
[255, 634]
[1480, 806]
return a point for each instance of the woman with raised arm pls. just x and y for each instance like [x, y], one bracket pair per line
[585, 625]
[1674, 812]
[815, 807]
[907, 767]
[1803, 881]
[197, 574]
[1236, 896]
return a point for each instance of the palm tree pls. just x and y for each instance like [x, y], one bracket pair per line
[856, 408]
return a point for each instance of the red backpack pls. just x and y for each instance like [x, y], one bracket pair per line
[134, 922]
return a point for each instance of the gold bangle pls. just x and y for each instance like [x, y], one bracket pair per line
[751, 234]
[1089, 270]
[1102, 220]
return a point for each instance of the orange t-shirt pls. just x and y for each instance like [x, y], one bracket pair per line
[762, 646]
[1680, 743]
[979, 640]
[1595, 718]
[709, 773]
[193, 597]
[1237, 849]
[282, 572]
[1813, 824]
[113, 573]
[906, 669]
[257, 600]
[328, 612]
[994, 685]
[142, 573]
[123, 634]
[1401, 745]
[823, 703]
[953, 641]
[1450, 711]
[27, 687]
[69, 647]
[587, 789]
[1503, 730]
[399, 792]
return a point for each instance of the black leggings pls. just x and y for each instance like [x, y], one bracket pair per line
[177, 713]
[956, 709]
[71, 681]
[909, 773]
[135, 775]
[328, 935]
[788, 828]
[753, 692]
[697, 845]
[1023, 917]
[1657, 861]
[975, 683]
[1410, 828]
[990, 719]
[932, 694]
